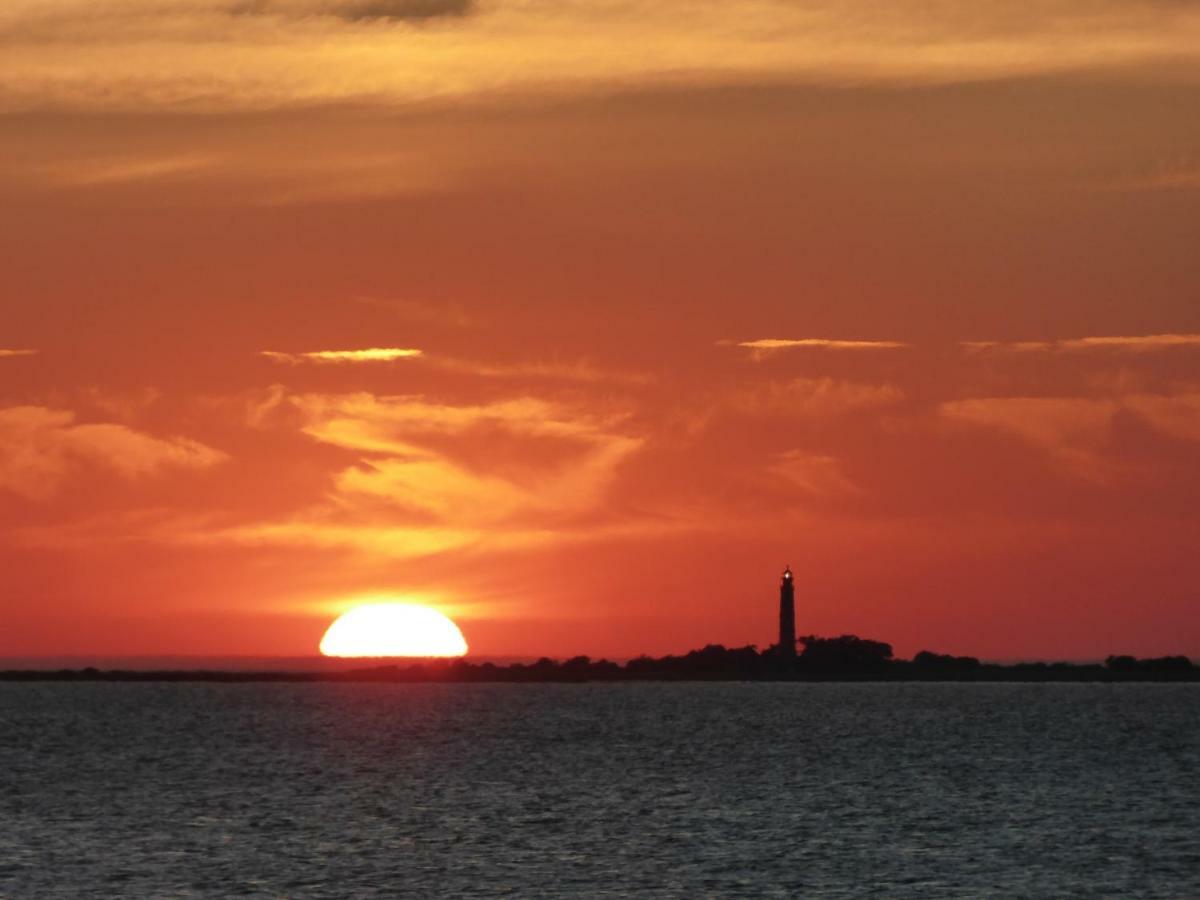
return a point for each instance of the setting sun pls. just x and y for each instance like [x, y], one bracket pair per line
[393, 629]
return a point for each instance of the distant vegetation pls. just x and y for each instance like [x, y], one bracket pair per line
[845, 658]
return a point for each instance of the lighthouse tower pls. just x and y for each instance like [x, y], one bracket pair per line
[787, 615]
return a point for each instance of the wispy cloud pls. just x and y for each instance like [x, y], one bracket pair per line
[819, 344]
[418, 486]
[117, 171]
[1176, 415]
[765, 347]
[384, 541]
[1177, 174]
[10, 353]
[364, 421]
[156, 53]
[405, 467]
[1142, 342]
[40, 447]
[449, 491]
[369, 355]
[122, 406]
[1129, 343]
[380, 539]
[1077, 431]
[796, 400]
[1182, 180]
[355, 10]
[813, 397]
[1071, 429]
[444, 313]
[554, 370]
[329, 169]
[1006, 346]
[815, 474]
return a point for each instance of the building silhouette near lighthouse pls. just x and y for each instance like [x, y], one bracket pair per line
[787, 615]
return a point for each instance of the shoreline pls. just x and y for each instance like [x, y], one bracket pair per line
[418, 674]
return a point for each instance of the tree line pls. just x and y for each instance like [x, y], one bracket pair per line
[844, 658]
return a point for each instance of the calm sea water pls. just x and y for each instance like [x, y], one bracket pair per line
[672, 790]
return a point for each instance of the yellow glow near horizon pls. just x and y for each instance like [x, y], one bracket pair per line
[393, 629]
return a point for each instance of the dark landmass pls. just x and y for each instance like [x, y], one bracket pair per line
[845, 658]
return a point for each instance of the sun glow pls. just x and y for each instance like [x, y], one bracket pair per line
[393, 629]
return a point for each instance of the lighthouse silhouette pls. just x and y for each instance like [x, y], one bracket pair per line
[787, 614]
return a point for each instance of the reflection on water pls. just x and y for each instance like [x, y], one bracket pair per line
[683, 790]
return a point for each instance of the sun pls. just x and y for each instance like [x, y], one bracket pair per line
[393, 629]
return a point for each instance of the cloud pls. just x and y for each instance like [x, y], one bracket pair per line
[124, 170]
[581, 371]
[1176, 415]
[408, 464]
[369, 355]
[1073, 430]
[5, 354]
[146, 54]
[357, 10]
[364, 421]
[1182, 180]
[1006, 346]
[794, 400]
[1140, 343]
[811, 473]
[40, 447]
[428, 476]
[445, 313]
[427, 483]
[447, 491]
[577, 370]
[1177, 174]
[1127, 343]
[254, 170]
[766, 346]
[381, 540]
[812, 397]
[260, 407]
[198, 18]
[122, 406]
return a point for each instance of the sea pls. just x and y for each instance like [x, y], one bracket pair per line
[685, 790]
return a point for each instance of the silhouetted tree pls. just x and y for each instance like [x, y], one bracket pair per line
[847, 657]
[1158, 666]
[1168, 664]
[944, 663]
[845, 652]
[577, 668]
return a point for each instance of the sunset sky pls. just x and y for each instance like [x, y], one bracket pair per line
[580, 320]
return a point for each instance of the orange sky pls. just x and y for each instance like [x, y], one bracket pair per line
[905, 295]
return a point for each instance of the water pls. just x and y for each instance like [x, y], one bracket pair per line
[671, 790]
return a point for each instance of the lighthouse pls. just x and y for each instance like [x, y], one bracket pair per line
[787, 615]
